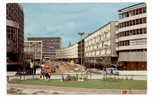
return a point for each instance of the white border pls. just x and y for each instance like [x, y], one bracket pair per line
[152, 53]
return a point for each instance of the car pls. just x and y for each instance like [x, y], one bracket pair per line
[112, 71]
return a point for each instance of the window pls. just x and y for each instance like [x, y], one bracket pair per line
[144, 10]
[133, 22]
[127, 14]
[140, 10]
[144, 20]
[136, 11]
[132, 32]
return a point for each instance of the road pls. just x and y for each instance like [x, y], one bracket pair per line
[36, 89]
[66, 68]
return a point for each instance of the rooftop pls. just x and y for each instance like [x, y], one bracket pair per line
[143, 3]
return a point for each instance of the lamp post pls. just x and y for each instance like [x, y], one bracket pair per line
[81, 33]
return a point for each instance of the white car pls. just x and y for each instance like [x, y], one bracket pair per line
[112, 71]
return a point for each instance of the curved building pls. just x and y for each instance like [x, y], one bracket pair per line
[132, 37]
[67, 54]
[15, 33]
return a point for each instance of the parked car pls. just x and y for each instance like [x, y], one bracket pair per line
[112, 71]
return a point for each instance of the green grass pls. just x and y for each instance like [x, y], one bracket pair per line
[96, 84]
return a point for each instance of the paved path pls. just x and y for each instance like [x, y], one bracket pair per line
[36, 89]
[62, 68]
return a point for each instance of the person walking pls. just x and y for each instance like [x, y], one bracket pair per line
[31, 67]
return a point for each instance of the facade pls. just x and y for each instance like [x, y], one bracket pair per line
[100, 47]
[33, 50]
[132, 37]
[81, 51]
[15, 34]
[50, 45]
[67, 54]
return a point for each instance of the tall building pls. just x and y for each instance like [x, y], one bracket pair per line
[100, 47]
[33, 50]
[50, 45]
[15, 33]
[132, 37]
[81, 51]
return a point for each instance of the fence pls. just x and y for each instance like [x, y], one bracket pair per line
[87, 76]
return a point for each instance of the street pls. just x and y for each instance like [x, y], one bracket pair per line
[66, 68]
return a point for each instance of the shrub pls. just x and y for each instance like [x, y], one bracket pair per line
[71, 78]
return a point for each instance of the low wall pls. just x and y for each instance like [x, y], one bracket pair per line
[88, 76]
[132, 72]
[11, 73]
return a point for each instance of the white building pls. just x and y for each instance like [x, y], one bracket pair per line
[132, 37]
[100, 45]
[68, 53]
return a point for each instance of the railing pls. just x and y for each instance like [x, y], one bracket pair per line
[87, 76]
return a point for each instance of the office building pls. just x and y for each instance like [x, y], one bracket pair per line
[50, 45]
[132, 37]
[15, 34]
[100, 47]
[33, 50]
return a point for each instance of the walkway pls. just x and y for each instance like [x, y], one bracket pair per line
[36, 89]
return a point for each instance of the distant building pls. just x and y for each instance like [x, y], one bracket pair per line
[33, 50]
[67, 54]
[50, 45]
[15, 34]
[100, 46]
[132, 37]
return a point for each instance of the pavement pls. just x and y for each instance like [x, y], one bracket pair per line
[37, 89]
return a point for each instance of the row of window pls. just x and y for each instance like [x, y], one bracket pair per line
[98, 38]
[133, 32]
[11, 34]
[99, 53]
[138, 42]
[124, 43]
[135, 50]
[132, 12]
[99, 46]
[132, 42]
[132, 22]
[15, 15]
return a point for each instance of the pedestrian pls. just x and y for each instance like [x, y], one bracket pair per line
[111, 71]
[31, 67]
[34, 70]
[42, 74]
[47, 75]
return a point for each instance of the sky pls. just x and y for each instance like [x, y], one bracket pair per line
[65, 20]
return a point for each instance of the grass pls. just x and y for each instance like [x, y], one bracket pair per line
[95, 84]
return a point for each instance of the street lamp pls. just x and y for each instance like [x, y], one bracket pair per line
[81, 33]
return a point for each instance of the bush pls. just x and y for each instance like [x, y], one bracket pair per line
[71, 78]
[85, 78]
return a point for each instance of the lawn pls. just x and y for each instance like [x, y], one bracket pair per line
[96, 84]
